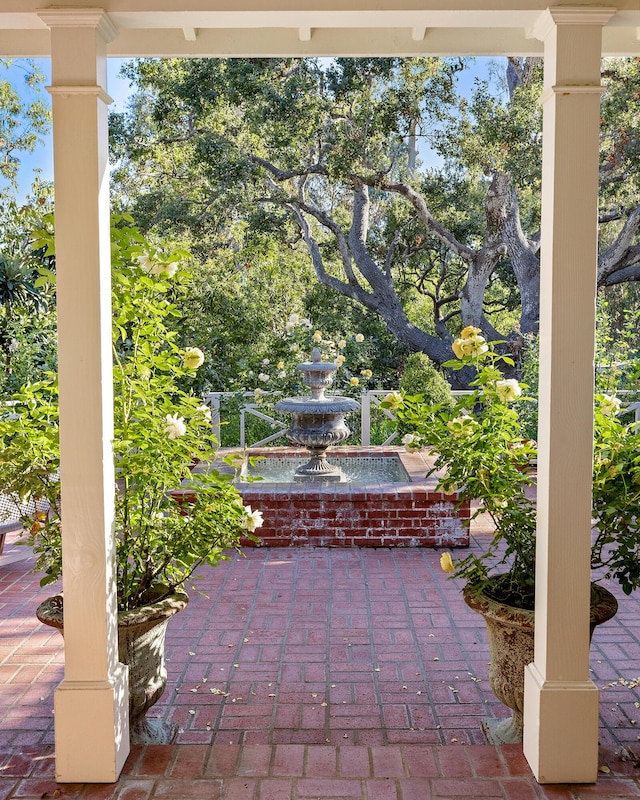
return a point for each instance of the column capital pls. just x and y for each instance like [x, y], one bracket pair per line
[571, 89]
[80, 18]
[569, 15]
[81, 89]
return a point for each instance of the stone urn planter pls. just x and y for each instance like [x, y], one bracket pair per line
[141, 637]
[510, 633]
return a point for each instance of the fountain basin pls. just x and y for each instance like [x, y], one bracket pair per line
[371, 513]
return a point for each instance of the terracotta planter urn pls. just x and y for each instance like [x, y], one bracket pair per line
[141, 637]
[510, 633]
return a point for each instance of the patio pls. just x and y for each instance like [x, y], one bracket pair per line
[312, 673]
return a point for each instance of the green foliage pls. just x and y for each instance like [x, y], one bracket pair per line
[27, 300]
[238, 306]
[224, 153]
[616, 495]
[17, 287]
[529, 369]
[160, 430]
[478, 443]
[29, 468]
[421, 377]
[27, 348]
[480, 447]
[619, 148]
[343, 318]
[192, 153]
[617, 352]
[23, 122]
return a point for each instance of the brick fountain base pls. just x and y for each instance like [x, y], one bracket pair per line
[371, 514]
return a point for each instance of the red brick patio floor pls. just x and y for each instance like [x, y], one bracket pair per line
[313, 674]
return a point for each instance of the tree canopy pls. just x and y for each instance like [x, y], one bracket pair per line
[326, 158]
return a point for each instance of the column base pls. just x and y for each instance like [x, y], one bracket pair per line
[560, 729]
[92, 729]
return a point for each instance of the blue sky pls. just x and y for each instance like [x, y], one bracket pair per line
[42, 157]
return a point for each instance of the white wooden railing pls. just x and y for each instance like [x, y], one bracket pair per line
[369, 402]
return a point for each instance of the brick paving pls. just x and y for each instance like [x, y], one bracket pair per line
[312, 674]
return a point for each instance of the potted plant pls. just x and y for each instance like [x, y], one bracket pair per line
[160, 431]
[484, 457]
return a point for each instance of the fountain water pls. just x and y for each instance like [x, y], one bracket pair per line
[317, 421]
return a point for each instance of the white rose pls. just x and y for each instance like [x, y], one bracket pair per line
[609, 405]
[254, 519]
[175, 426]
[263, 377]
[205, 411]
[508, 389]
[411, 442]
[155, 268]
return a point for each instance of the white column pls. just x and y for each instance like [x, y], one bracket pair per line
[561, 702]
[91, 703]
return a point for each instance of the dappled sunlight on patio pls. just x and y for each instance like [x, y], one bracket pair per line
[367, 656]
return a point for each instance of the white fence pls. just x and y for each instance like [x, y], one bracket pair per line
[369, 402]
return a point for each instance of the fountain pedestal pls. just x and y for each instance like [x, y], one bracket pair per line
[317, 421]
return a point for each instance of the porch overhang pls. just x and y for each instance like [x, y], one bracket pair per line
[150, 28]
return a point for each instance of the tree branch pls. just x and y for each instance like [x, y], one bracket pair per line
[617, 255]
[424, 214]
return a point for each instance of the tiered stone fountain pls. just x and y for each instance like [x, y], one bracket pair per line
[317, 421]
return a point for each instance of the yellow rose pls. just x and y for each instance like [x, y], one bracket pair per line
[476, 345]
[193, 357]
[446, 562]
[359, 337]
[354, 381]
[609, 405]
[366, 373]
[394, 400]
[461, 427]
[457, 348]
[317, 336]
[469, 331]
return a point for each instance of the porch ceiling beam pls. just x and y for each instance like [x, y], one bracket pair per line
[252, 42]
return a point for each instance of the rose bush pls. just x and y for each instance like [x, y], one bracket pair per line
[480, 447]
[160, 430]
